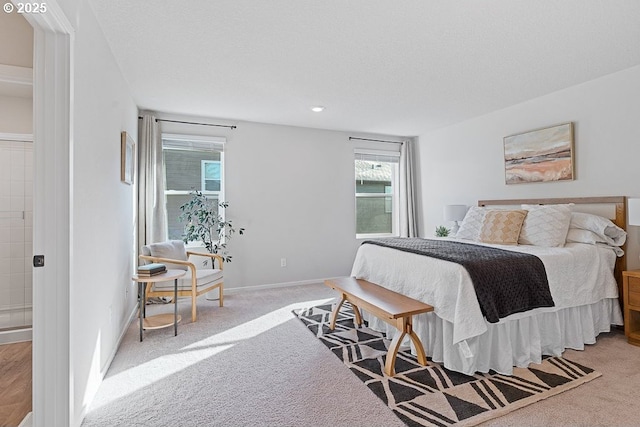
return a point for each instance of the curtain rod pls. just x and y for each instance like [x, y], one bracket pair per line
[375, 140]
[193, 123]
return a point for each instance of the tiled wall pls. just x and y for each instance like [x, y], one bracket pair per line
[16, 232]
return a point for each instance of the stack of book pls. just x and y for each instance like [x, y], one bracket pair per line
[151, 269]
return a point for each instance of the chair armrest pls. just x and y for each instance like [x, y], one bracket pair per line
[207, 254]
[168, 260]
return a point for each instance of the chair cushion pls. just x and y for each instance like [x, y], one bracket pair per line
[204, 278]
[173, 249]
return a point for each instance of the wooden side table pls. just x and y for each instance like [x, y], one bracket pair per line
[160, 320]
[631, 292]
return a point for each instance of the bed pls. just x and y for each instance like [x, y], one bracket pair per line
[584, 281]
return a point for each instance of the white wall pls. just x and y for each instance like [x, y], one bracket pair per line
[16, 49]
[16, 115]
[16, 40]
[293, 190]
[463, 163]
[102, 228]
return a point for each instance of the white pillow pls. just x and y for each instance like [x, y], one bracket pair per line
[471, 224]
[577, 235]
[545, 225]
[599, 225]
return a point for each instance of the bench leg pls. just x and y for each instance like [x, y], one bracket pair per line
[405, 326]
[356, 312]
[422, 357]
[334, 313]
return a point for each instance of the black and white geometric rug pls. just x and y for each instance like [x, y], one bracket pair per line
[433, 395]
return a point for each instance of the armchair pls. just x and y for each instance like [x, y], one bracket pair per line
[194, 283]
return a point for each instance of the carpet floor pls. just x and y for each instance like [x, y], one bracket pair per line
[433, 395]
[252, 363]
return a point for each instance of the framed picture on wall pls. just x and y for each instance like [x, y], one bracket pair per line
[127, 158]
[539, 155]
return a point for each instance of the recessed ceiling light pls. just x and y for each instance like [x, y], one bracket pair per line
[317, 108]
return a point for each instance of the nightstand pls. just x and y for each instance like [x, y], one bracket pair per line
[631, 292]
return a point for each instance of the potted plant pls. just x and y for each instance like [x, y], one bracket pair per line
[205, 224]
[442, 231]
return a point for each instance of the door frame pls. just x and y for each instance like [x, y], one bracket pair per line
[52, 226]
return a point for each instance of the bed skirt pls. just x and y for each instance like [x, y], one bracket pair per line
[517, 340]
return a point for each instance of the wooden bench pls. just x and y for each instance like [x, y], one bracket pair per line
[392, 307]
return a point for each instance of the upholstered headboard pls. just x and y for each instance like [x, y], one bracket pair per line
[611, 207]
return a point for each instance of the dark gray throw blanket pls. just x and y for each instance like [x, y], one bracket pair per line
[505, 282]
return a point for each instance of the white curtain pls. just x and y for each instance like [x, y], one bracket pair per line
[408, 223]
[152, 215]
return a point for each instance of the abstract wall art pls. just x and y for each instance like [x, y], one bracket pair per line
[539, 155]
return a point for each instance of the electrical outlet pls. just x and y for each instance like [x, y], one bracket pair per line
[283, 262]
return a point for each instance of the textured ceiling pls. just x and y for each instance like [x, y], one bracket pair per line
[390, 67]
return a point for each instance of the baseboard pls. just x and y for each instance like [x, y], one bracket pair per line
[107, 365]
[16, 335]
[27, 421]
[123, 331]
[231, 291]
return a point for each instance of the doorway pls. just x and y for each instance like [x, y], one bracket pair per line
[16, 237]
[16, 217]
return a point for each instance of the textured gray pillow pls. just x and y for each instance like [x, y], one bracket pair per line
[173, 249]
[471, 224]
[545, 225]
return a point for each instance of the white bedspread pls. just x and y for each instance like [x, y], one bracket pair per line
[580, 278]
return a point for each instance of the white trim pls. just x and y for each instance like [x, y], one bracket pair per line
[125, 326]
[11, 74]
[364, 236]
[16, 307]
[395, 200]
[373, 195]
[199, 138]
[107, 365]
[53, 66]
[16, 335]
[238, 290]
[54, 20]
[27, 421]
[388, 153]
[21, 137]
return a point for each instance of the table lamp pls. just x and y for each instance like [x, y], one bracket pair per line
[456, 214]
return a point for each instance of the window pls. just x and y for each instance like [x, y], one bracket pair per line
[211, 175]
[190, 163]
[376, 174]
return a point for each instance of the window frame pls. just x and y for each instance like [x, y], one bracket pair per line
[395, 195]
[200, 140]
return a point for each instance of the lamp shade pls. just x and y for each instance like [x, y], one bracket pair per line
[457, 212]
[633, 217]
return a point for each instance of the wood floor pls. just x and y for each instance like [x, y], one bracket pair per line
[15, 383]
